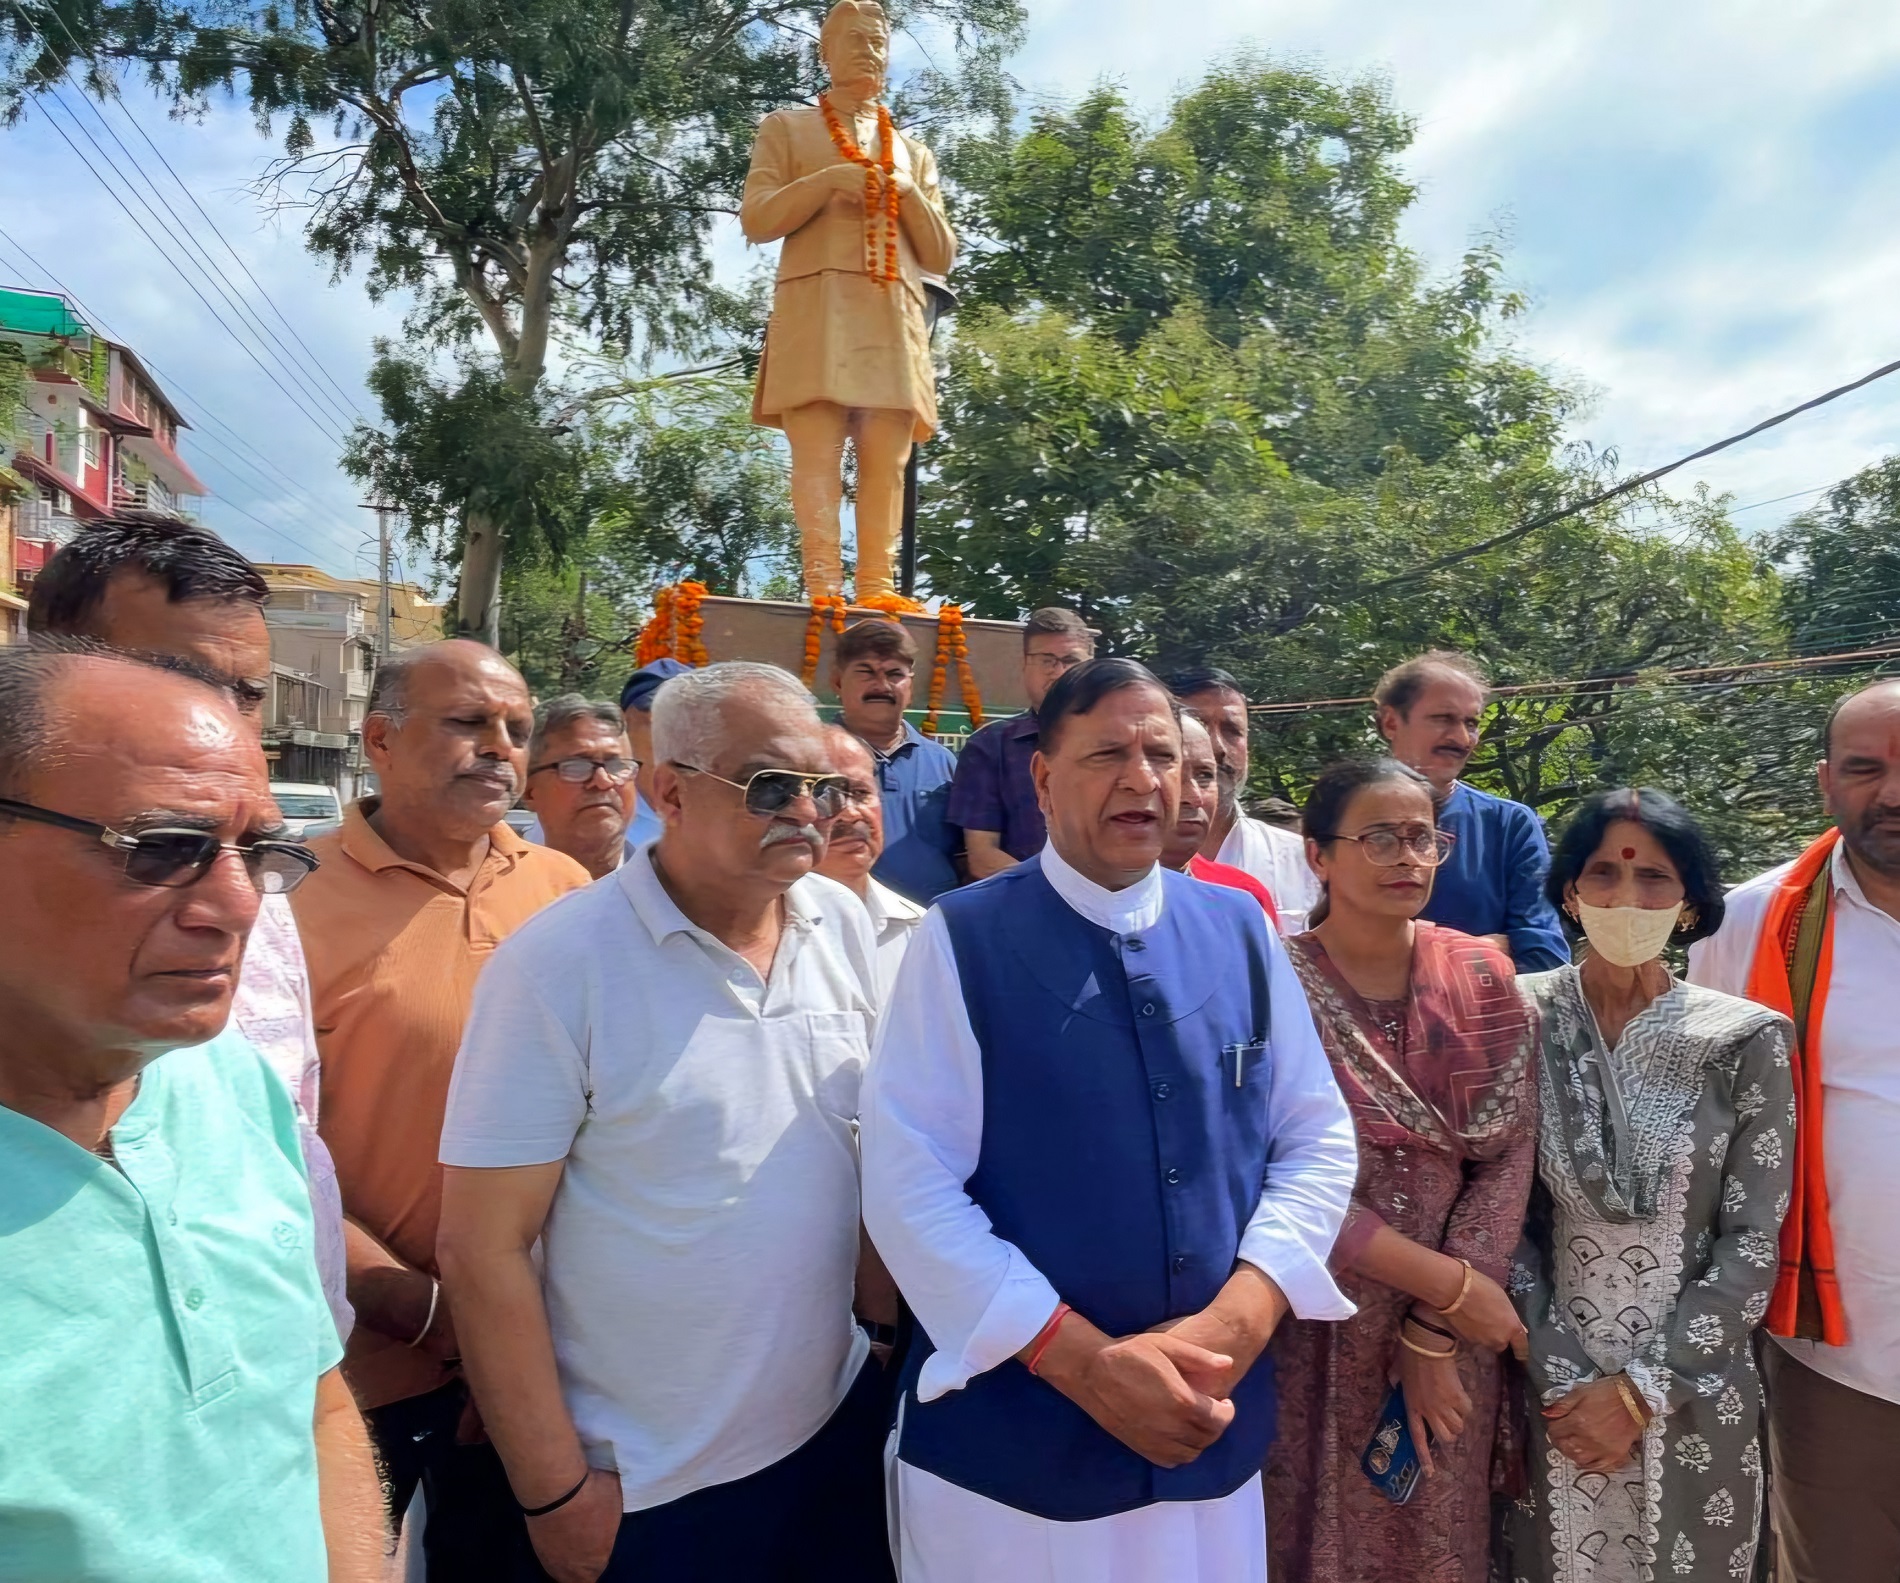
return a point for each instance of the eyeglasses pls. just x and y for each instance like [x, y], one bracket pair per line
[1054, 662]
[579, 771]
[1387, 848]
[171, 859]
[770, 792]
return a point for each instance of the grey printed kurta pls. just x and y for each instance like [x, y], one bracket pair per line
[1664, 1169]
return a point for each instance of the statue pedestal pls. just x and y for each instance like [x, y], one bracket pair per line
[768, 630]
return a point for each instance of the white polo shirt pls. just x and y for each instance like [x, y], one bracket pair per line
[699, 1255]
[894, 920]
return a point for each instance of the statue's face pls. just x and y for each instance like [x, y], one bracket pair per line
[857, 51]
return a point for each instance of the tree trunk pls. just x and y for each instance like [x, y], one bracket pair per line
[478, 599]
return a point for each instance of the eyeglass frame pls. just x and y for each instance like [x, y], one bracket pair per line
[807, 782]
[125, 844]
[1443, 842]
[632, 768]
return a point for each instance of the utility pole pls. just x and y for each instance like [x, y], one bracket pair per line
[382, 509]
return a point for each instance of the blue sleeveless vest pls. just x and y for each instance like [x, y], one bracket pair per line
[1124, 1149]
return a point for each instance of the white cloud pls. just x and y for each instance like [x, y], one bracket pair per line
[1698, 198]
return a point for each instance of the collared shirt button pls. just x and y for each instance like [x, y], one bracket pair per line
[1173, 1176]
[1148, 1010]
[1180, 1263]
[195, 1298]
[1164, 1090]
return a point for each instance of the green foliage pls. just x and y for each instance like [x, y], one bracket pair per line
[1201, 392]
[533, 171]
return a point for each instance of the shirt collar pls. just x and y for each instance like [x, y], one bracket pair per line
[362, 845]
[886, 906]
[662, 916]
[1022, 726]
[1846, 881]
[1126, 911]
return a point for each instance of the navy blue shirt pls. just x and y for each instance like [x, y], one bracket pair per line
[918, 843]
[993, 790]
[1493, 882]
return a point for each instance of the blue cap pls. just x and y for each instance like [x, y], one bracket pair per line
[645, 682]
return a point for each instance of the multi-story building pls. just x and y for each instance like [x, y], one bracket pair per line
[323, 637]
[96, 434]
[12, 607]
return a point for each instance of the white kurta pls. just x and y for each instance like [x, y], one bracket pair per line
[1277, 858]
[982, 1301]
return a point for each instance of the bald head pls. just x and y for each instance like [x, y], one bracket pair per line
[1860, 777]
[103, 971]
[447, 734]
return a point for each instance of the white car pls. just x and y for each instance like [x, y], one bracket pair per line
[304, 804]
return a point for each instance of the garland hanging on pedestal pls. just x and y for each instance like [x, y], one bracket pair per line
[823, 607]
[952, 645]
[674, 630]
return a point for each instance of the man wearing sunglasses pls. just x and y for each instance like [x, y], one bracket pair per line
[580, 783]
[659, 1087]
[173, 1406]
[154, 585]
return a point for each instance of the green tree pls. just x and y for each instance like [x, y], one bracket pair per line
[530, 169]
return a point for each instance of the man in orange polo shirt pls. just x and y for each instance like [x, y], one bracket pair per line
[416, 890]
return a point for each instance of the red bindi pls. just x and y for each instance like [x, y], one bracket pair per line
[1629, 852]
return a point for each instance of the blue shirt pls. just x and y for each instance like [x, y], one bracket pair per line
[918, 842]
[164, 1332]
[993, 791]
[1493, 882]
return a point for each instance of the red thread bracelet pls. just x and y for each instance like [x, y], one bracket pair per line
[1046, 1335]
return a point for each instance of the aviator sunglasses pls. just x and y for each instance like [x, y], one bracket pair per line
[171, 859]
[769, 793]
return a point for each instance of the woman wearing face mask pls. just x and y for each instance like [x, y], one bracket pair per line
[1435, 1052]
[1665, 1159]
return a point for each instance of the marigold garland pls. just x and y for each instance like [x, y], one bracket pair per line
[674, 632]
[823, 606]
[952, 645]
[881, 200]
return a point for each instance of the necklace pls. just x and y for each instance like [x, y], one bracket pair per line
[880, 189]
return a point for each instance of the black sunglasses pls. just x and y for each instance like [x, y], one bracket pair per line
[171, 859]
[770, 792]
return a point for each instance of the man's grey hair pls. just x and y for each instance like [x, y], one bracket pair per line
[689, 725]
[557, 714]
[27, 674]
[389, 688]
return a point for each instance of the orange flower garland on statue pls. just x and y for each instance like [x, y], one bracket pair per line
[881, 199]
[822, 606]
[674, 630]
[951, 645]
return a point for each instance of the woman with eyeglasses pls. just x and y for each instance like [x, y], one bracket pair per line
[1433, 1049]
[1664, 1168]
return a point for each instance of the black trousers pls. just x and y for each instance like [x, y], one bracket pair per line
[473, 1533]
[816, 1516]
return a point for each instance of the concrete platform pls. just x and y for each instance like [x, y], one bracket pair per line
[772, 631]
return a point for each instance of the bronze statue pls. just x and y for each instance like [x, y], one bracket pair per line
[847, 355]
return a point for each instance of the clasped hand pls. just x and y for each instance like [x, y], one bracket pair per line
[1593, 1427]
[1158, 1393]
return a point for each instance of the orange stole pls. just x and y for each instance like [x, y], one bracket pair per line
[1807, 1235]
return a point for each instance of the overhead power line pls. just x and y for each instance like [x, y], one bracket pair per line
[179, 231]
[1578, 685]
[1628, 486]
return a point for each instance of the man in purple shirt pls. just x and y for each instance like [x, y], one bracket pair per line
[992, 798]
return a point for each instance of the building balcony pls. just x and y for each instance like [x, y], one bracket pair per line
[38, 520]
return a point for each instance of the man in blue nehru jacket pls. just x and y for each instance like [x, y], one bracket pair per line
[1103, 1156]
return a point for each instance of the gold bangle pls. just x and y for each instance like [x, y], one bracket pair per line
[1464, 1291]
[1424, 1352]
[1628, 1392]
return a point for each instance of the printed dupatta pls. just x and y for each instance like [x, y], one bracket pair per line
[1469, 1043]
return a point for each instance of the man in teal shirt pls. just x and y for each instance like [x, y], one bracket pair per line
[172, 1407]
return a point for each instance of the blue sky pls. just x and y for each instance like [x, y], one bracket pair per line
[1701, 201]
